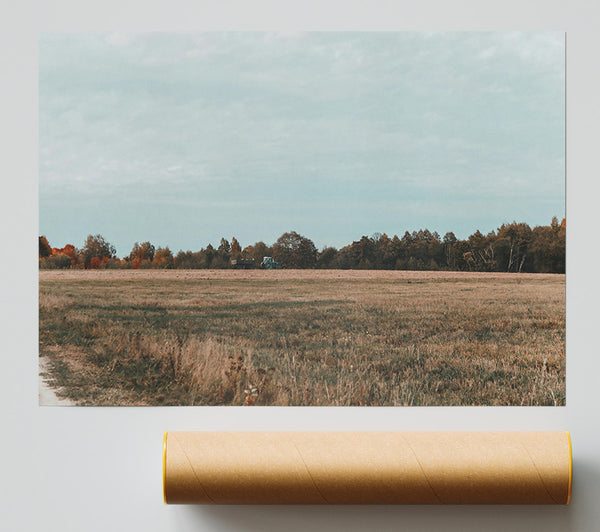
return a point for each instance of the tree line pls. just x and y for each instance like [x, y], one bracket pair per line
[514, 247]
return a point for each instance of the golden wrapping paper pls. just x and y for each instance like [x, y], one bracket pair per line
[367, 467]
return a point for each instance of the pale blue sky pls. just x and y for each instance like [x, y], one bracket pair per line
[182, 138]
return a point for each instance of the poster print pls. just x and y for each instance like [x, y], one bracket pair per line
[322, 219]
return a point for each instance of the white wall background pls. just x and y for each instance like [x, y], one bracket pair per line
[93, 469]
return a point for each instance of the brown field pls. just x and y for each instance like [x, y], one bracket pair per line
[304, 337]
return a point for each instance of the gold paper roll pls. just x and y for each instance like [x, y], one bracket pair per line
[367, 467]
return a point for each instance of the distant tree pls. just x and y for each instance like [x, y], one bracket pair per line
[364, 253]
[359, 254]
[293, 250]
[248, 252]
[511, 245]
[326, 259]
[96, 247]
[449, 245]
[142, 254]
[480, 253]
[183, 260]
[55, 262]
[345, 259]
[163, 258]
[435, 251]
[547, 248]
[222, 255]
[384, 252]
[258, 251]
[236, 249]
[69, 250]
[188, 260]
[461, 252]
[57, 257]
[235, 246]
[116, 264]
[542, 241]
[218, 262]
[209, 254]
[45, 249]
[224, 246]
[396, 250]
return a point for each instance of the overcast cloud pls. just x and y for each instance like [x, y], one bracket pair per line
[183, 138]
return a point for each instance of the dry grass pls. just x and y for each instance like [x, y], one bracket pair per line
[305, 337]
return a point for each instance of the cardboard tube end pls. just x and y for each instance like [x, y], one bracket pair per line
[570, 467]
[164, 467]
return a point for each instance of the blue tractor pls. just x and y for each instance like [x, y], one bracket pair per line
[269, 264]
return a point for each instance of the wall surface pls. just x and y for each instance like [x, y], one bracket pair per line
[98, 469]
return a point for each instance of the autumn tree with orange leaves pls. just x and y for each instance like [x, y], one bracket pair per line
[163, 258]
[96, 247]
[142, 255]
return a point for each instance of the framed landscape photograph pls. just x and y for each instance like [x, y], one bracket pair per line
[302, 219]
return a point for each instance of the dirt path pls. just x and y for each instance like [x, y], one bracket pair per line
[47, 394]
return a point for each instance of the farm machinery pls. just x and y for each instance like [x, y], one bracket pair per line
[248, 264]
[243, 264]
[269, 264]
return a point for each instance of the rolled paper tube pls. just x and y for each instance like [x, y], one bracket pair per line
[367, 467]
